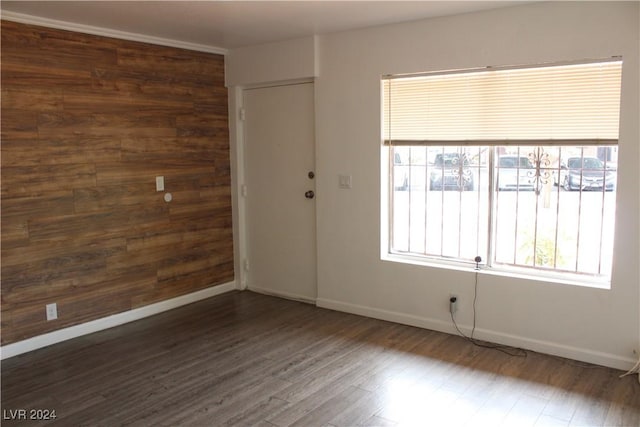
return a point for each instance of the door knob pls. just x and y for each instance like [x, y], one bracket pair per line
[309, 194]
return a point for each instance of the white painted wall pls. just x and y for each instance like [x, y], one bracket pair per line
[601, 326]
[581, 322]
[272, 62]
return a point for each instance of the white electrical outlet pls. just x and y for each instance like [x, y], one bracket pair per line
[453, 303]
[52, 311]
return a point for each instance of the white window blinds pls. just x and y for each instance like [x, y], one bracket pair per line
[578, 102]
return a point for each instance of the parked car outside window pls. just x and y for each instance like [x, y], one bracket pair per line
[400, 173]
[586, 173]
[451, 172]
[515, 173]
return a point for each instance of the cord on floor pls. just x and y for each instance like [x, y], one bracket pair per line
[511, 351]
[634, 370]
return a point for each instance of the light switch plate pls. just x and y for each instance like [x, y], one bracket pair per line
[344, 182]
[159, 183]
[52, 311]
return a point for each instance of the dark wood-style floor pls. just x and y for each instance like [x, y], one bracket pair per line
[252, 360]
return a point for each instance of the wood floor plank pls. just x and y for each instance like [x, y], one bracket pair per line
[332, 407]
[246, 359]
[252, 415]
[376, 421]
[549, 421]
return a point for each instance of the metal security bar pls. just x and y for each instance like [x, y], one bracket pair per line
[534, 207]
[435, 190]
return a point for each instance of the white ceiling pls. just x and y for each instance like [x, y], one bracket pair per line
[230, 24]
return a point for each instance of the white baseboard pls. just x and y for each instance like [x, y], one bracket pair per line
[285, 295]
[546, 347]
[71, 332]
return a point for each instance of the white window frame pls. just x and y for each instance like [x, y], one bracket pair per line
[387, 193]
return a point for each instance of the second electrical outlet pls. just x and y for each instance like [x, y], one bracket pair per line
[453, 304]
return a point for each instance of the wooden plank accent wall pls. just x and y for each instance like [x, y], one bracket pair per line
[87, 124]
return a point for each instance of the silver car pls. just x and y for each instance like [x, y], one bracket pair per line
[587, 173]
[515, 173]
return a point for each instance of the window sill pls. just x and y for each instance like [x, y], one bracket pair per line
[513, 272]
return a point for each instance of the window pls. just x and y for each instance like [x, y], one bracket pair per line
[516, 165]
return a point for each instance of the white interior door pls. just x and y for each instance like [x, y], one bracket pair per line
[279, 157]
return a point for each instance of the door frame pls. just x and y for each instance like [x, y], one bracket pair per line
[237, 147]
